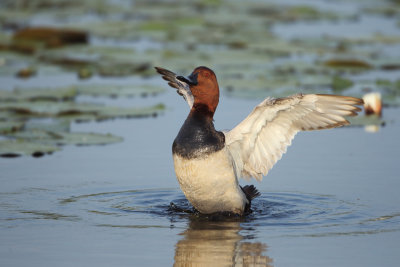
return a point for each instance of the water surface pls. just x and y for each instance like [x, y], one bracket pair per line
[332, 199]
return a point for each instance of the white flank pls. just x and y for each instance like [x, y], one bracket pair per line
[210, 183]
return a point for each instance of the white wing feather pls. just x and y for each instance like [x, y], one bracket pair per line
[261, 139]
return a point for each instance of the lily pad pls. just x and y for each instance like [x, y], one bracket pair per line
[277, 85]
[389, 85]
[10, 126]
[66, 138]
[16, 148]
[347, 63]
[48, 108]
[6, 115]
[291, 13]
[76, 111]
[122, 68]
[68, 58]
[85, 73]
[51, 37]
[69, 93]
[392, 63]
[118, 112]
[88, 139]
[49, 125]
[26, 72]
[340, 84]
[39, 94]
[119, 90]
[366, 120]
[104, 61]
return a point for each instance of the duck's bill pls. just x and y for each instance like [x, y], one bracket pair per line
[181, 85]
[190, 80]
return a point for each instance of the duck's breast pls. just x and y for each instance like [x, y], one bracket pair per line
[209, 182]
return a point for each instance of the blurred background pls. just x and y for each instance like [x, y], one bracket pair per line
[54, 53]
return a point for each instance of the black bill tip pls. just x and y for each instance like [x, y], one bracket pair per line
[190, 80]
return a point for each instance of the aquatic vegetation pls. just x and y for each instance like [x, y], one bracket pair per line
[7, 127]
[50, 37]
[28, 138]
[21, 108]
[347, 63]
[362, 121]
[15, 148]
[243, 43]
[119, 90]
[26, 72]
[65, 138]
[37, 94]
[76, 111]
[339, 84]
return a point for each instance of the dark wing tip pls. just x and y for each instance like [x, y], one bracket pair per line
[165, 72]
[174, 85]
[169, 76]
[159, 70]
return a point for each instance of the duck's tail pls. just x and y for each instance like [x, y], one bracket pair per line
[251, 193]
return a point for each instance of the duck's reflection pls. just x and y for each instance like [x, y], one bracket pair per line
[218, 243]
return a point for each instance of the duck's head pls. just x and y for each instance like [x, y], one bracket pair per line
[204, 87]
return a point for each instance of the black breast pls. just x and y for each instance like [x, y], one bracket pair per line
[197, 138]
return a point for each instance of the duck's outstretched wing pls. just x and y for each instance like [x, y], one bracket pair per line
[182, 87]
[259, 141]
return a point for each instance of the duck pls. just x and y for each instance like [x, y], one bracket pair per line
[209, 163]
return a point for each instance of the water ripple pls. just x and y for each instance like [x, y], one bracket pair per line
[280, 213]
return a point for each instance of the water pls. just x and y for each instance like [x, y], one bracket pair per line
[332, 199]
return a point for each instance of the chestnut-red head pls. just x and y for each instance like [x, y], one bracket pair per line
[204, 87]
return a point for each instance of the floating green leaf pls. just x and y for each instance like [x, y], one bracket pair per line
[85, 73]
[69, 93]
[119, 90]
[76, 110]
[118, 112]
[26, 72]
[87, 139]
[15, 148]
[49, 125]
[10, 126]
[104, 61]
[66, 138]
[366, 120]
[347, 63]
[122, 68]
[36, 94]
[51, 37]
[339, 84]
[49, 108]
